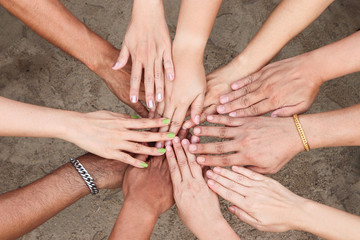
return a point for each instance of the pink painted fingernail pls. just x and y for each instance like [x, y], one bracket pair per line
[209, 173]
[217, 170]
[211, 183]
[235, 86]
[116, 65]
[221, 109]
[176, 140]
[233, 114]
[133, 99]
[200, 159]
[185, 142]
[158, 145]
[171, 76]
[210, 118]
[224, 99]
[192, 147]
[168, 143]
[232, 209]
[197, 130]
[168, 148]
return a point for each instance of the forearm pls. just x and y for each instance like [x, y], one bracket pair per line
[337, 59]
[196, 19]
[51, 20]
[26, 208]
[26, 120]
[133, 222]
[326, 222]
[331, 129]
[288, 19]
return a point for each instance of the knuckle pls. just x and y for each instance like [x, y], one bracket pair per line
[168, 64]
[228, 194]
[173, 168]
[176, 124]
[253, 110]
[246, 89]
[223, 132]
[225, 161]
[244, 101]
[149, 80]
[158, 75]
[145, 135]
[219, 147]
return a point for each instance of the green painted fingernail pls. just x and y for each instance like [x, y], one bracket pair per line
[161, 150]
[134, 116]
[170, 135]
[144, 165]
[166, 121]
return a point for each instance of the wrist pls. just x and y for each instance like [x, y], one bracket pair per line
[303, 219]
[144, 206]
[188, 47]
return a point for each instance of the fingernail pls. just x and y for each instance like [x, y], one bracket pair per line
[134, 116]
[197, 119]
[217, 170]
[168, 143]
[115, 65]
[162, 150]
[168, 148]
[200, 159]
[166, 121]
[224, 99]
[233, 114]
[221, 109]
[184, 126]
[151, 104]
[144, 165]
[133, 99]
[232, 209]
[235, 86]
[274, 116]
[192, 147]
[185, 142]
[159, 96]
[197, 130]
[209, 173]
[171, 76]
[176, 140]
[170, 135]
[210, 118]
[211, 183]
[158, 145]
[235, 168]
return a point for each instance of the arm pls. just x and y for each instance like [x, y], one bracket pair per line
[196, 18]
[118, 131]
[148, 194]
[290, 86]
[148, 42]
[26, 208]
[198, 206]
[268, 206]
[51, 20]
[255, 141]
[288, 19]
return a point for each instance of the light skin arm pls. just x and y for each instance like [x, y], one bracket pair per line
[51, 20]
[196, 18]
[26, 208]
[107, 134]
[290, 86]
[288, 19]
[268, 206]
[254, 141]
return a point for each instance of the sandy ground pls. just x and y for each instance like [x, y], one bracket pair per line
[33, 71]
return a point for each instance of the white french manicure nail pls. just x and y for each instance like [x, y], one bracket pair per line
[171, 76]
[233, 114]
[151, 104]
[115, 65]
[133, 99]
[158, 97]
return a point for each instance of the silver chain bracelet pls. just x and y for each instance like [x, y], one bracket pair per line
[85, 175]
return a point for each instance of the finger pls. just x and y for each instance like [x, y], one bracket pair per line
[194, 166]
[254, 110]
[289, 111]
[221, 160]
[235, 177]
[241, 92]
[213, 148]
[159, 80]
[227, 183]
[183, 133]
[243, 216]
[196, 108]
[126, 158]
[122, 59]
[149, 85]
[219, 132]
[241, 102]
[173, 166]
[210, 110]
[181, 159]
[139, 108]
[135, 81]
[245, 81]
[178, 119]
[259, 171]
[146, 136]
[226, 193]
[226, 120]
[141, 149]
[168, 65]
[160, 108]
[144, 123]
[195, 139]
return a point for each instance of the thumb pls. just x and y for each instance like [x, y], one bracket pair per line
[288, 111]
[196, 108]
[122, 59]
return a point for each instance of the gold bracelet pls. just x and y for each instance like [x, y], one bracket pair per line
[301, 132]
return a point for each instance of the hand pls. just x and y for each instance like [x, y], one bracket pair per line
[149, 189]
[107, 174]
[263, 144]
[148, 42]
[259, 201]
[188, 89]
[289, 86]
[198, 206]
[111, 135]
